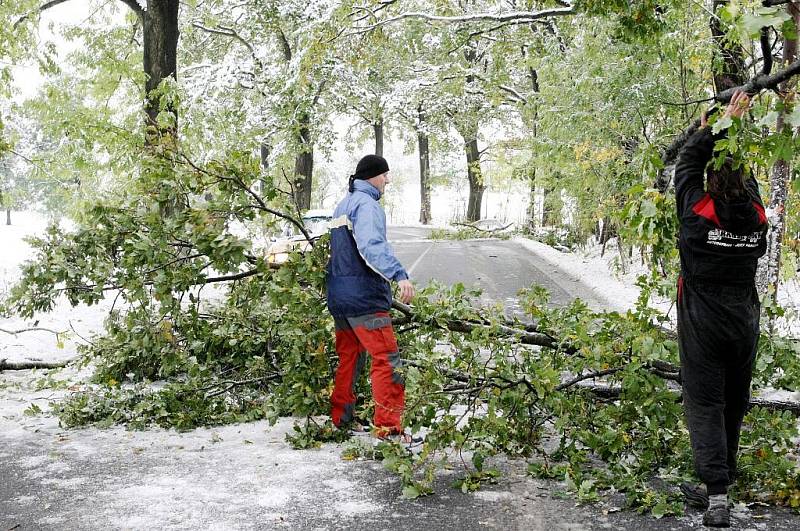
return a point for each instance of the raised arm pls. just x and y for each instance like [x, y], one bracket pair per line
[690, 169]
[698, 150]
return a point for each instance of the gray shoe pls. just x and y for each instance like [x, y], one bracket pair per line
[717, 516]
[695, 495]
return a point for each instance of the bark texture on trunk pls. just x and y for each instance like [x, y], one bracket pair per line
[264, 156]
[304, 165]
[8, 216]
[423, 145]
[475, 176]
[779, 184]
[160, 25]
[378, 129]
[530, 212]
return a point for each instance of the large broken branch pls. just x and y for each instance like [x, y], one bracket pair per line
[752, 87]
[662, 369]
[613, 393]
[490, 231]
[29, 364]
[526, 337]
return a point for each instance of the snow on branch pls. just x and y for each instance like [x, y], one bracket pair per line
[31, 329]
[511, 17]
[6, 365]
[226, 32]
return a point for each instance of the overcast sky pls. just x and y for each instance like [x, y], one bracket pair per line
[52, 22]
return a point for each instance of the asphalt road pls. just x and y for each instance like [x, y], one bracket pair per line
[499, 268]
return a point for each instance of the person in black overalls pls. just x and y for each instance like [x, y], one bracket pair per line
[722, 235]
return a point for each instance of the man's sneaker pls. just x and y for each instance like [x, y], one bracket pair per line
[405, 438]
[717, 515]
[695, 495]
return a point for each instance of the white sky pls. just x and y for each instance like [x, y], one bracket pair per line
[27, 77]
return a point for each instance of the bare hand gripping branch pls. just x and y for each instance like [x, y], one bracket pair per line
[752, 87]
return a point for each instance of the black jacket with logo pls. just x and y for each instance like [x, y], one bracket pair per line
[720, 241]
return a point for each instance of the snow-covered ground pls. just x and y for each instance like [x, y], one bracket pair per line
[73, 322]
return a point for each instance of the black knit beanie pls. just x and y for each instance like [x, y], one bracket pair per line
[368, 167]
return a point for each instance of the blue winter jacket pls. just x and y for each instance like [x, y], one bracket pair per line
[362, 262]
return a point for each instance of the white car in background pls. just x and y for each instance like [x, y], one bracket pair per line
[291, 240]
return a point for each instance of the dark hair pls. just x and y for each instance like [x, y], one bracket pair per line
[727, 181]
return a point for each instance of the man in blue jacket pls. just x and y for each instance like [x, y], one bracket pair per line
[359, 272]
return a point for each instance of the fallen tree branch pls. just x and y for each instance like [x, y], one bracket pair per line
[752, 87]
[29, 364]
[660, 368]
[490, 231]
[236, 383]
[523, 336]
[31, 329]
[613, 392]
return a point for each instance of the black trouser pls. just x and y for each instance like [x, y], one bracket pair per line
[718, 329]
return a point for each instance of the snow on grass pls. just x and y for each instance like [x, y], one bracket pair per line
[74, 322]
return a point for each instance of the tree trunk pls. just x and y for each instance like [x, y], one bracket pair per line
[551, 207]
[303, 166]
[475, 177]
[8, 216]
[264, 156]
[424, 177]
[160, 24]
[530, 213]
[730, 59]
[779, 182]
[378, 128]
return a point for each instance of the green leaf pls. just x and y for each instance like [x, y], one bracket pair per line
[721, 124]
[793, 118]
[410, 492]
[764, 17]
[769, 119]
[648, 209]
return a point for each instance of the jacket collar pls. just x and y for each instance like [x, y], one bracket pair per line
[360, 185]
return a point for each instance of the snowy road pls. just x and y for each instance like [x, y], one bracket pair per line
[499, 268]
